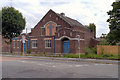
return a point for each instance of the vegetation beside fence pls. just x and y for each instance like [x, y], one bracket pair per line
[91, 53]
[89, 50]
[93, 56]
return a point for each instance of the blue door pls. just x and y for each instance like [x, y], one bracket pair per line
[24, 47]
[65, 46]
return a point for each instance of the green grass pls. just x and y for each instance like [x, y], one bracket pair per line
[71, 56]
[88, 56]
[93, 56]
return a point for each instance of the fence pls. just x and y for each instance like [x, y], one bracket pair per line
[108, 49]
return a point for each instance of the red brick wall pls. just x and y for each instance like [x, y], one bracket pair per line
[88, 34]
[45, 19]
[41, 45]
[5, 47]
[17, 49]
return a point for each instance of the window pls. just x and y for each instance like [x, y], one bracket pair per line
[13, 44]
[47, 43]
[70, 33]
[50, 28]
[17, 44]
[56, 18]
[58, 34]
[42, 31]
[34, 43]
[64, 32]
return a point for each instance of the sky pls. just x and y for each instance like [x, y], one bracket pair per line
[84, 11]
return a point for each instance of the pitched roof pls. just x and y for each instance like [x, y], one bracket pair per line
[70, 21]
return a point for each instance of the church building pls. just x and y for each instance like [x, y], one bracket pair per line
[55, 33]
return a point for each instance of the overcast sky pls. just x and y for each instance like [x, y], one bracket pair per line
[85, 11]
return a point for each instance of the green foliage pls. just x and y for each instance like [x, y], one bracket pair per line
[28, 51]
[92, 27]
[92, 56]
[59, 55]
[89, 50]
[103, 42]
[12, 23]
[71, 56]
[0, 14]
[114, 24]
[101, 56]
[44, 53]
[94, 50]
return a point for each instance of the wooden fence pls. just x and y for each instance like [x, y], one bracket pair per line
[108, 49]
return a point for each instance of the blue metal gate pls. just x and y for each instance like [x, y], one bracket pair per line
[65, 46]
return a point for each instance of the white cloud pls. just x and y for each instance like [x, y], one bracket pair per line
[85, 11]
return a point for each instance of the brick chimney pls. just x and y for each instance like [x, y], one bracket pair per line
[63, 14]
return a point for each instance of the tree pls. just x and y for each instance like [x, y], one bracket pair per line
[113, 36]
[92, 27]
[12, 23]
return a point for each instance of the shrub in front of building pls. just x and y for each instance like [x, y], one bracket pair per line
[89, 50]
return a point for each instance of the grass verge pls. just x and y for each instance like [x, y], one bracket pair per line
[93, 56]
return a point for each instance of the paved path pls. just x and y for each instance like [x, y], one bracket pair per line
[24, 67]
[11, 58]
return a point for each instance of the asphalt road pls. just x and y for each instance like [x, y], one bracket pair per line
[13, 67]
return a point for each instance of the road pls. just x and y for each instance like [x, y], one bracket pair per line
[19, 67]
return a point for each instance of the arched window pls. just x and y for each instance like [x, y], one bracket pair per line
[50, 28]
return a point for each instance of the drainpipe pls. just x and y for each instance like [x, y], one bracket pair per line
[53, 45]
[79, 45]
[28, 43]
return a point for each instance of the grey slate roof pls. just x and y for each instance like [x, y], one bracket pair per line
[70, 21]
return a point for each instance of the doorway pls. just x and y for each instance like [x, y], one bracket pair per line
[66, 48]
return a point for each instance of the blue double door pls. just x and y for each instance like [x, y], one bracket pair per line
[66, 46]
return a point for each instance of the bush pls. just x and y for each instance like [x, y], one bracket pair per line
[103, 42]
[28, 51]
[90, 50]
[59, 55]
[44, 53]
[103, 56]
[71, 56]
[87, 50]
[94, 50]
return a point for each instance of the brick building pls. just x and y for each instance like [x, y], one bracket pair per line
[55, 33]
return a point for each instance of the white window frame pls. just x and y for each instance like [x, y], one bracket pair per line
[14, 44]
[34, 43]
[17, 44]
[48, 43]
